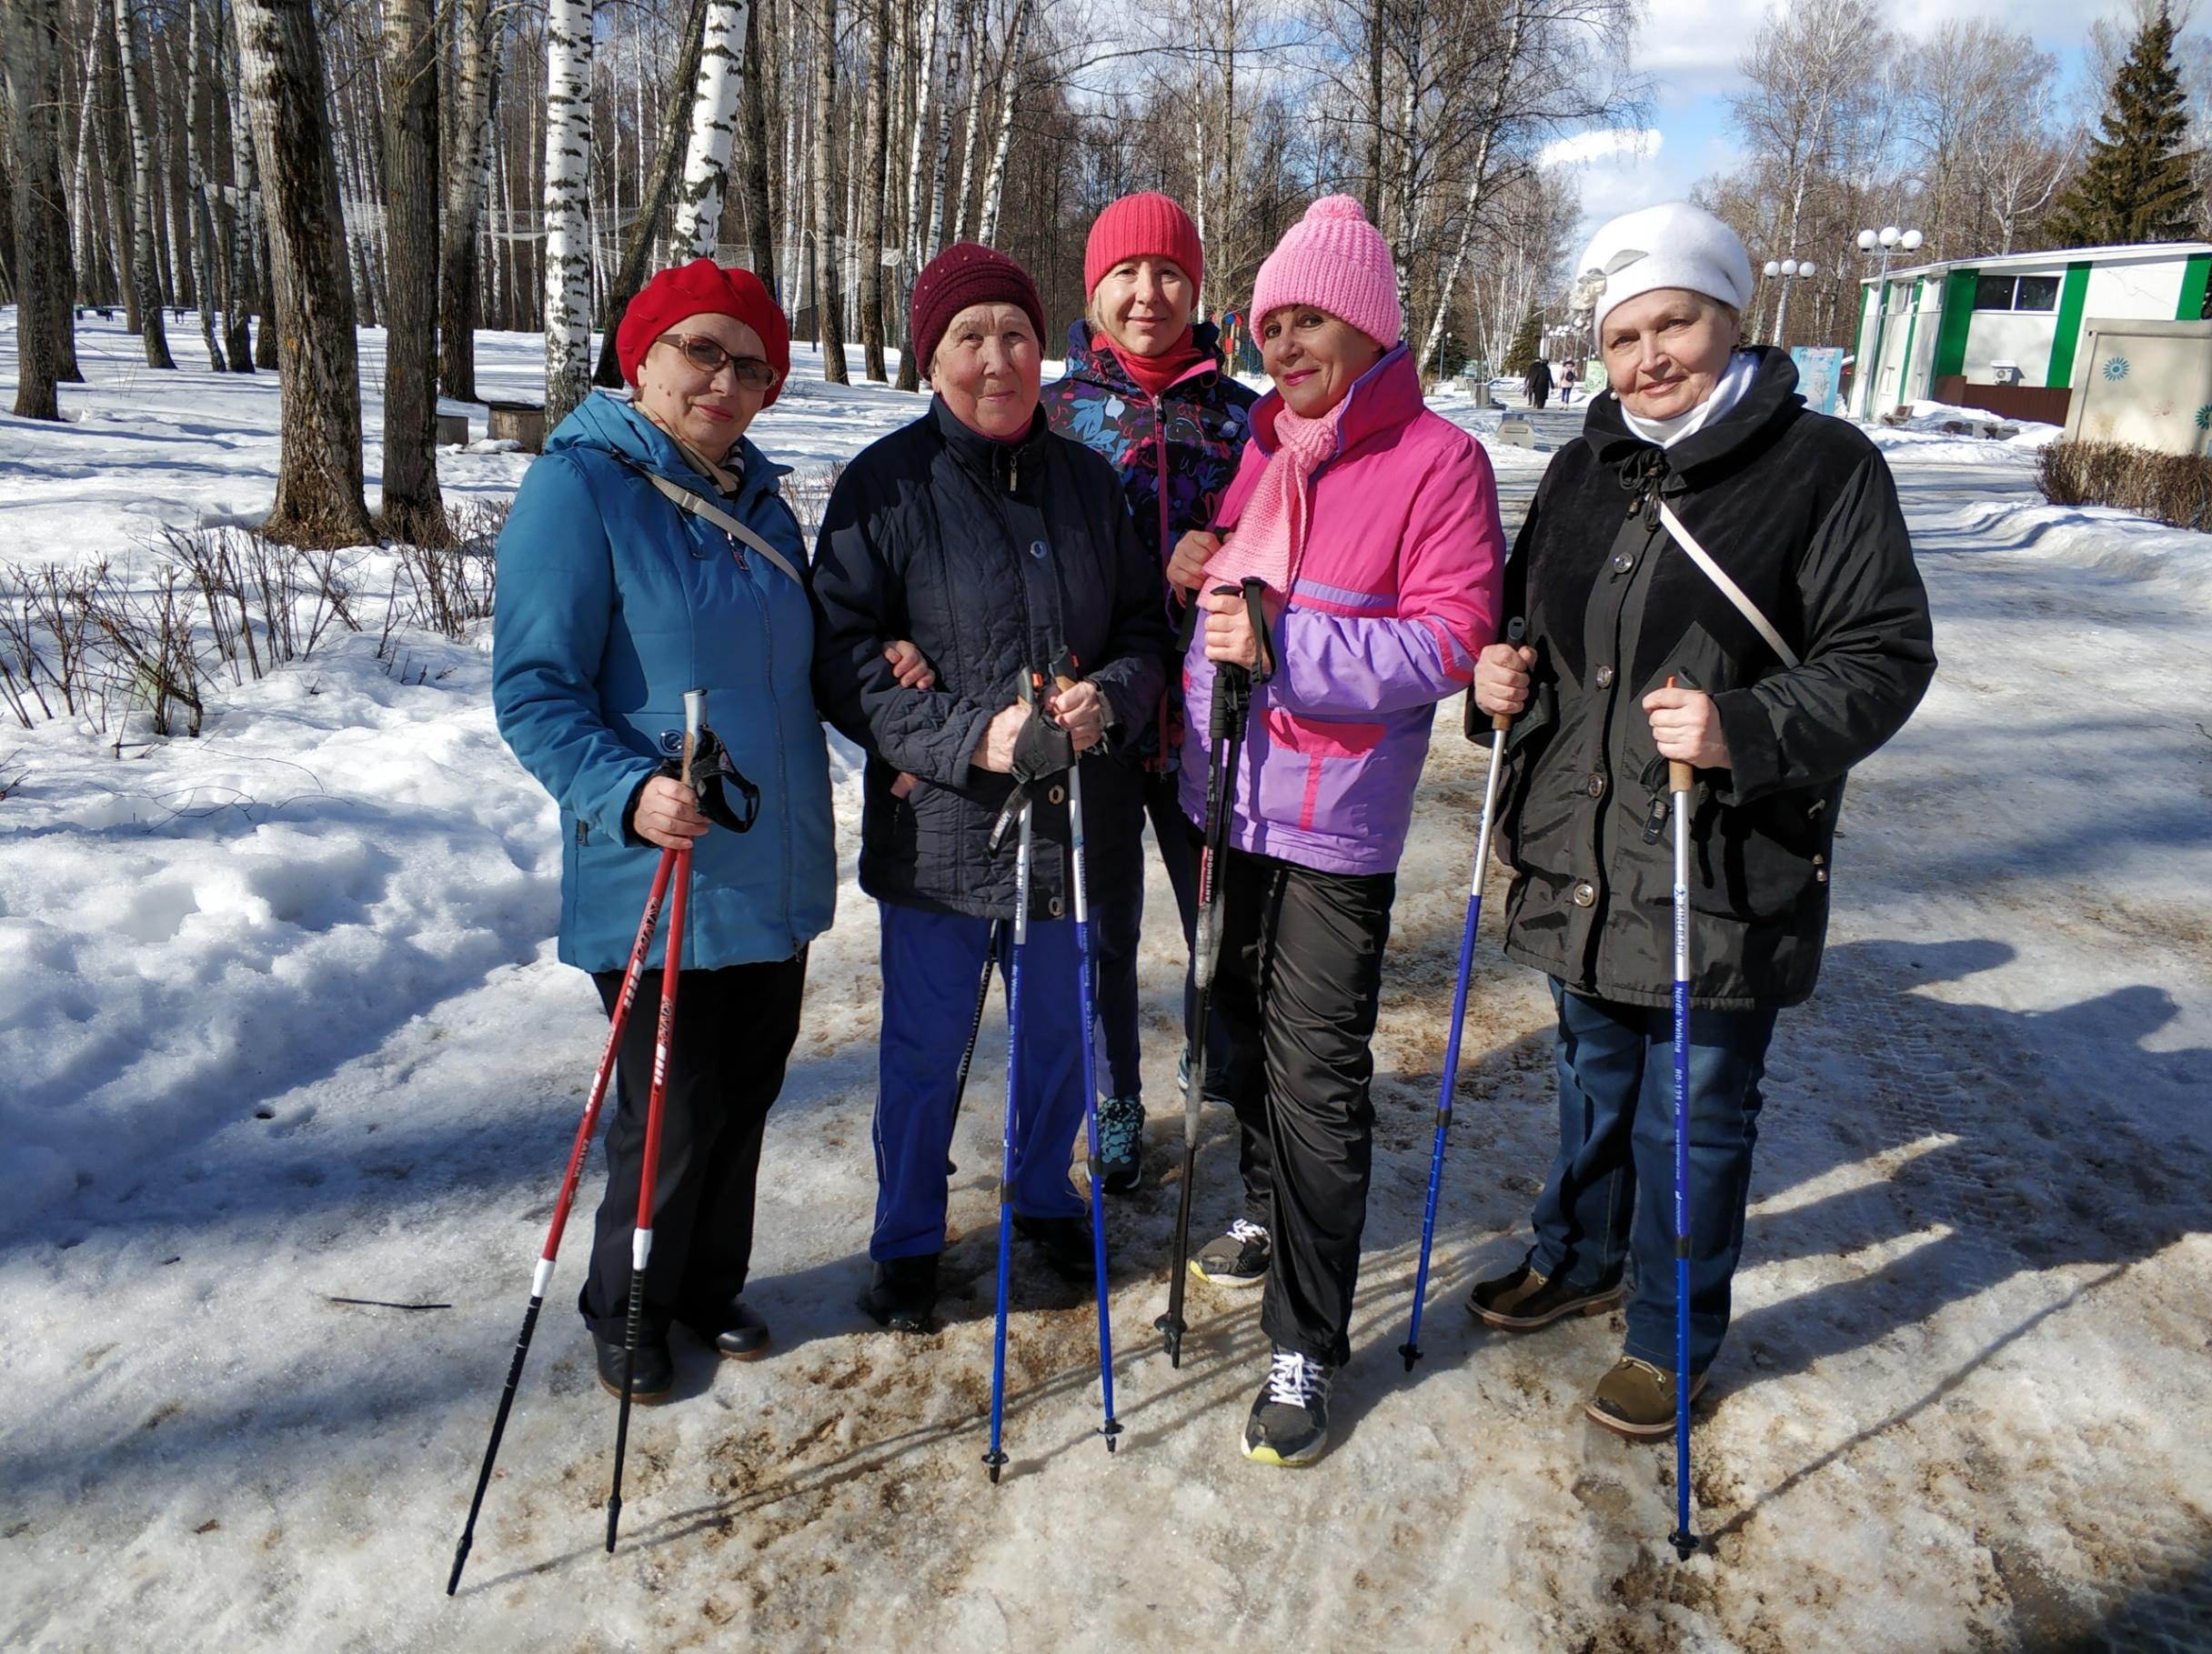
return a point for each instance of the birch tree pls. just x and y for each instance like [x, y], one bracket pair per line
[31, 32]
[567, 220]
[994, 185]
[205, 262]
[829, 293]
[713, 116]
[318, 477]
[476, 61]
[875, 153]
[143, 279]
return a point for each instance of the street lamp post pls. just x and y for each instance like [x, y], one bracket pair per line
[1786, 269]
[1887, 238]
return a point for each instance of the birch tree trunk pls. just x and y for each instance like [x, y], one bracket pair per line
[829, 302]
[1010, 68]
[144, 280]
[476, 64]
[922, 148]
[413, 510]
[319, 478]
[972, 137]
[568, 241]
[714, 114]
[248, 281]
[875, 156]
[31, 30]
[637, 252]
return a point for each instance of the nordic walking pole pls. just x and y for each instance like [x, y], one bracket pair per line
[543, 1278]
[1083, 992]
[1232, 705]
[1500, 723]
[994, 1459]
[641, 1236]
[1679, 780]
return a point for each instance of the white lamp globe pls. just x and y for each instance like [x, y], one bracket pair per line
[1891, 235]
[1913, 239]
[1773, 268]
[1806, 269]
[1789, 266]
[1867, 241]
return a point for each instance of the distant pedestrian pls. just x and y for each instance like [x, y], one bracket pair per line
[1799, 512]
[1567, 378]
[613, 602]
[1147, 388]
[1537, 383]
[1373, 524]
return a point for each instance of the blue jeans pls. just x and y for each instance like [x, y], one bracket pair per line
[1611, 1194]
[931, 965]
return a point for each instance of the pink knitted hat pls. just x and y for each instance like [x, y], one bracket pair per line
[1141, 225]
[1334, 260]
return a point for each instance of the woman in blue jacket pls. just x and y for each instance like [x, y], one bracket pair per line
[613, 601]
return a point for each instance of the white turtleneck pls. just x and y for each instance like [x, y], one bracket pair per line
[1727, 391]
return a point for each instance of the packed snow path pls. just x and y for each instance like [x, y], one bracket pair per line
[1963, 1404]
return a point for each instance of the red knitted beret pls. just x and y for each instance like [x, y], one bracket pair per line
[967, 273]
[703, 287]
[1146, 225]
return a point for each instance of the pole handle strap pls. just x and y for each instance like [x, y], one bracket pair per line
[1729, 589]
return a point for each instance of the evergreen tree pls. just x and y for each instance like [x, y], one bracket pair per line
[1527, 341]
[2135, 183]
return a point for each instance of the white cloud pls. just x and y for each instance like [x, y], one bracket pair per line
[1604, 144]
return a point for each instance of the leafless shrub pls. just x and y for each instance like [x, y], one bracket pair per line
[808, 494]
[2173, 488]
[152, 633]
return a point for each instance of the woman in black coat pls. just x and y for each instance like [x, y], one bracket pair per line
[993, 545]
[1798, 510]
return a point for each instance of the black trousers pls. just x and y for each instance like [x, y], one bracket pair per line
[1296, 988]
[734, 1029]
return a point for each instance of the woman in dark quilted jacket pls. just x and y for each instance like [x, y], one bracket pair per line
[1147, 388]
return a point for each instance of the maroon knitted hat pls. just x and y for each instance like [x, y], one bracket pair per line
[1145, 226]
[966, 272]
[703, 287]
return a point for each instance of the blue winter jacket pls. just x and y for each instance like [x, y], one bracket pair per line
[611, 604]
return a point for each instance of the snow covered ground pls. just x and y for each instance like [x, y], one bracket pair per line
[282, 1027]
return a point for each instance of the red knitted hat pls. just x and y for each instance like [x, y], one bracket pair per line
[703, 287]
[966, 272]
[1146, 225]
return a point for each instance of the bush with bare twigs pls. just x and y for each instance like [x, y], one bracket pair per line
[2175, 488]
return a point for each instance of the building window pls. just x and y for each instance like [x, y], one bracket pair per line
[2016, 293]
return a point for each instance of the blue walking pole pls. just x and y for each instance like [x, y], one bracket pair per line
[995, 1459]
[1499, 724]
[1679, 781]
[1111, 1428]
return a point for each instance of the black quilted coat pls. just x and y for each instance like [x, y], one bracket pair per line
[1800, 510]
[989, 556]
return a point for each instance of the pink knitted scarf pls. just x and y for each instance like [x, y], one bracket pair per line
[1270, 540]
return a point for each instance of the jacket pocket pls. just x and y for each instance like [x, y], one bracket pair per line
[1760, 861]
[1311, 775]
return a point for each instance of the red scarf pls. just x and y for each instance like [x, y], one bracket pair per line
[1153, 375]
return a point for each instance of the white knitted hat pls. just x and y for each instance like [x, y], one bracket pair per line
[1673, 244]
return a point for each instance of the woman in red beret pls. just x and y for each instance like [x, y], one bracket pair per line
[623, 583]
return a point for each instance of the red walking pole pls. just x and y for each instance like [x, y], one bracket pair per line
[543, 1278]
[641, 1237]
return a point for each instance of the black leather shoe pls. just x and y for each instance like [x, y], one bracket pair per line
[1066, 1242]
[901, 1293]
[652, 1378]
[734, 1329]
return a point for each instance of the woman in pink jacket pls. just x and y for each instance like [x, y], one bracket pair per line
[1374, 524]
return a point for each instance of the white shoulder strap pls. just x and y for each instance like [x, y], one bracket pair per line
[699, 506]
[1729, 588]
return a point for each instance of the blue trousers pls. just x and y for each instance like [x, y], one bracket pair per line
[932, 962]
[1610, 1193]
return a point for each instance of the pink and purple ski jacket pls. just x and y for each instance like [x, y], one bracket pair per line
[1397, 592]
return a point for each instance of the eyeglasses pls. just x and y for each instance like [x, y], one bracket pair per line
[708, 356]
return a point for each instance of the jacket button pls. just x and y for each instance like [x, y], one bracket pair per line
[1604, 677]
[1059, 795]
[1586, 894]
[1623, 561]
[1052, 906]
[1597, 784]
[1819, 860]
[1038, 549]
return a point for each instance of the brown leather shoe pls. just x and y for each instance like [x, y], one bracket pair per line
[1523, 1300]
[1637, 1399]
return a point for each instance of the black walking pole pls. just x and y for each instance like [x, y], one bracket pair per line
[1225, 731]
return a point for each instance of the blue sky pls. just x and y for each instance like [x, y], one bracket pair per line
[1690, 48]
